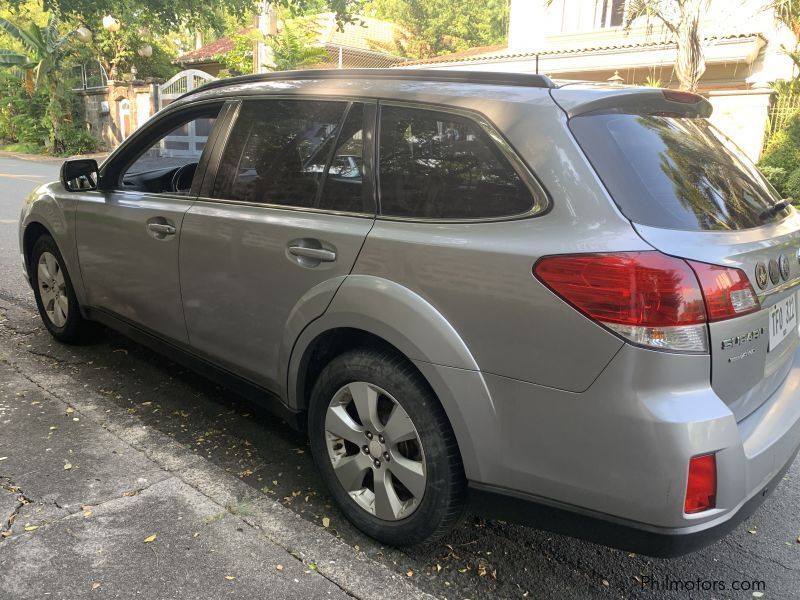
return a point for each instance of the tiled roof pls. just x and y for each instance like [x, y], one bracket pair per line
[211, 50]
[364, 34]
[501, 52]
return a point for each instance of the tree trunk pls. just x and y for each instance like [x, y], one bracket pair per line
[691, 64]
[56, 113]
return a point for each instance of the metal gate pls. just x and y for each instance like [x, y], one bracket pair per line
[189, 139]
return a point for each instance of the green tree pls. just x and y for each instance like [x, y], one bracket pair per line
[441, 26]
[42, 61]
[293, 47]
[682, 18]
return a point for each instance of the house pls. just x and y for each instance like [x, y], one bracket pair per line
[360, 44]
[586, 40]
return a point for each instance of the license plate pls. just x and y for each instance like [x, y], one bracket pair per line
[782, 320]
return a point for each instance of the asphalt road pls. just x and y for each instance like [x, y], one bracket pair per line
[480, 559]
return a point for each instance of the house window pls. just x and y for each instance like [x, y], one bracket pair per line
[609, 13]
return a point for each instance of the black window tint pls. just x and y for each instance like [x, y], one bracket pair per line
[344, 188]
[675, 173]
[277, 151]
[442, 166]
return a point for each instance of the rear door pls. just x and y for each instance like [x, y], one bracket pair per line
[275, 223]
[691, 193]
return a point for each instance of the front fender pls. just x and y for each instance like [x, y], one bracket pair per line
[50, 206]
[417, 329]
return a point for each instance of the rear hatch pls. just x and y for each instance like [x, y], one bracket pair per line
[691, 193]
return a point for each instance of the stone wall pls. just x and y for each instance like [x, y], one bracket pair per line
[742, 116]
[114, 112]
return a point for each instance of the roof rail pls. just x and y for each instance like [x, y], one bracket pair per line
[441, 75]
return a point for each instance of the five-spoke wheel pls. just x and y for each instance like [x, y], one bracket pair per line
[385, 448]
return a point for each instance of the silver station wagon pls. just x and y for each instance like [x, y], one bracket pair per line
[575, 305]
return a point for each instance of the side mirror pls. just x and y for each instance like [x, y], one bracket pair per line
[79, 174]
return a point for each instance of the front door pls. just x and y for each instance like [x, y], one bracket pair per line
[279, 221]
[128, 235]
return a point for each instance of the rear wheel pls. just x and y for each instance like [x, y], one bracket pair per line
[55, 296]
[385, 448]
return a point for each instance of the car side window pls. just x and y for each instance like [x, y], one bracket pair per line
[178, 148]
[278, 150]
[344, 189]
[437, 165]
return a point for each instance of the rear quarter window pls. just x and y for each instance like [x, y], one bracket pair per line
[436, 165]
[675, 173]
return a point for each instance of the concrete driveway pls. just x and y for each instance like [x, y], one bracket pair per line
[178, 414]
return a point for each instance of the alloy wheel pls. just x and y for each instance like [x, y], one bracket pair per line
[375, 451]
[53, 289]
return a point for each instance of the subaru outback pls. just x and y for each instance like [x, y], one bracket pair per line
[576, 301]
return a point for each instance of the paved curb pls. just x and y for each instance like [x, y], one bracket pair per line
[42, 158]
[352, 571]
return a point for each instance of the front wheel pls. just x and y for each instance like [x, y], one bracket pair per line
[55, 296]
[385, 448]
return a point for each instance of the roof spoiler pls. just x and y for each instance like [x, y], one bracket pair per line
[638, 101]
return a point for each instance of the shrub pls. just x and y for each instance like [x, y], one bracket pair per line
[22, 117]
[781, 160]
[77, 140]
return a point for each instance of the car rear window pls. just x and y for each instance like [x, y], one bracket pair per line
[436, 165]
[675, 173]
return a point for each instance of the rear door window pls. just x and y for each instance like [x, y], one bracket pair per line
[278, 151]
[675, 173]
[436, 165]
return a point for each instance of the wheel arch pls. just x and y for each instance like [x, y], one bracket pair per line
[369, 311]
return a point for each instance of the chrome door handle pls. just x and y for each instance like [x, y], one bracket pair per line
[162, 228]
[319, 254]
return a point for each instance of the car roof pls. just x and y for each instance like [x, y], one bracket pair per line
[530, 80]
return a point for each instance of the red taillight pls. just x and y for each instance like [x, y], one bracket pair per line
[628, 288]
[701, 486]
[650, 298]
[727, 291]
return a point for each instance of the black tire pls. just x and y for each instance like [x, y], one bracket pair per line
[443, 501]
[75, 329]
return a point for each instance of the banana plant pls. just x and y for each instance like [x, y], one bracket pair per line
[41, 61]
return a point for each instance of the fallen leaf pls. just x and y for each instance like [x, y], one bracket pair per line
[95, 585]
[246, 473]
[758, 594]
[437, 567]
[481, 570]
[230, 577]
[3, 458]
[194, 535]
[409, 573]
[279, 567]
[605, 582]
[29, 527]
[753, 531]
[798, 539]
[53, 428]
[70, 410]
[67, 466]
[5, 534]
[87, 514]
[130, 493]
[312, 566]
[326, 522]
[150, 538]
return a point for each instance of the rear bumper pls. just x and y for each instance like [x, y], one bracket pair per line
[610, 531]
[618, 453]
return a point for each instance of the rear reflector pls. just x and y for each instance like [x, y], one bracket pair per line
[649, 298]
[701, 487]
